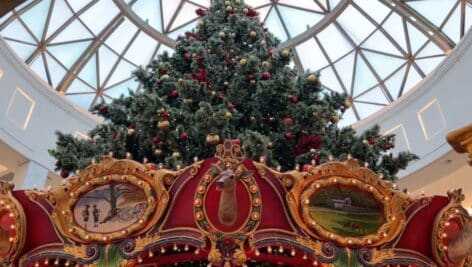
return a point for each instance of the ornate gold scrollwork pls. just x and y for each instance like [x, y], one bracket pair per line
[350, 175]
[121, 172]
[12, 239]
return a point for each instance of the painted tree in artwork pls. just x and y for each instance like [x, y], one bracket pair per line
[228, 80]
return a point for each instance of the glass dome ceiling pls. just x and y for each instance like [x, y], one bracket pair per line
[375, 50]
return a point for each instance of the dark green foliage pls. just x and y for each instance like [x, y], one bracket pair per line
[226, 78]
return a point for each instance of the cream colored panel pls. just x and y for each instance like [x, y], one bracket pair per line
[20, 109]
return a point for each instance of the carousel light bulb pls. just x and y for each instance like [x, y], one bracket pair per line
[262, 159]
[305, 257]
[197, 251]
[269, 249]
[67, 263]
[163, 250]
[178, 167]
[128, 155]
[140, 259]
[110, 154]
[279, 168]
[36, 264]
[186, 247]
[11, 239]
[56, 262]
[315, 263]
[349, 156]
[195, 159]
[209, 265]
[257, 252]
[46, 262]
[297, 167]
[292, 253]
[281, 249]
[366, 164]
[313, 162]
[11, 215]
[151, 254]
[174, 247]
[145, 160]
[12, 227]
[330, 157]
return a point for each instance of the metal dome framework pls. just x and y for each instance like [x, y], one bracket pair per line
[374, 50]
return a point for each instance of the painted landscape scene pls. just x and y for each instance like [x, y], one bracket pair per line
[110, 208]
[346, 211]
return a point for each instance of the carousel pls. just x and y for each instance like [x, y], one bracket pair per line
[229, 211]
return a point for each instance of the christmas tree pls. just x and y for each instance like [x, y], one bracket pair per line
[228, 80]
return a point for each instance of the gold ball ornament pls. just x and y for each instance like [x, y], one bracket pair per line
[348, 103]
[245, 10]
[253, 34]
[222, 35]
[265, 64]
[228, 115]
[238, 2]
[312, 78]
[131, 131]
[270, 145]
[243, 62]
[200, 23]
[176, 154]
[212, 139]
[158, 152]
[188, 101]
[252, 82]
[285, 53]
[227, 3]
[181, 81]
[335, 118]
[163, 125]
[229, 8]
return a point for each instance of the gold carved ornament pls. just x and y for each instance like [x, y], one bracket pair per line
[349, 174]
[11, 245]
[109, 170]
[452, 211]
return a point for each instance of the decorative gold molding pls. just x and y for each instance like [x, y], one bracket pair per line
[349, 174]
[9, 205]
[461, 140]
[64, 198]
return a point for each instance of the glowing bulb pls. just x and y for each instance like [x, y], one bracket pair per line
[305, 257]
[257, 252]
[281, 249]
[151, 254]
[186, 247]
[292, 253]
[269, 249]
[163, 250]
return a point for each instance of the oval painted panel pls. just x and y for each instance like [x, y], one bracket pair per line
[239, 205]
[110, 208]
[5, 233]
[346, 211]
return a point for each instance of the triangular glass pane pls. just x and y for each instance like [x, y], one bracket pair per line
[60, 14]
[365, 110]
[412, 80]
[452, 27]
[35, 18]
[74, 31]
[433, 10]
[394, 27]
[263, 12]
[334, 43]
[275, 25]
[150, 12]
[468, 16]
[142, 49]
[429, 64]
[56, 71]
[22, 50]
[169, 8]
[302, 4]
[375, 95]
[78, 86]
[99, 15]
[382, 64]
[374, 8]
[5, 17]
[347, 118]
[328, 79]
[106, 60]
[298, 21]
[120, 38]
[67, 54]
[89, 71]
[257, 3]
[186, 14]
[83, 100]
[39, 68]
[379, 42]
[364, 79]
[431, 49]
[78, 4]
[417, 38]
[122, 72]
[345, 68]
[355, 24]
[122, 88]
[395, 81]
[15, 30]
[312, 59]
[205, 3]
[333, 3]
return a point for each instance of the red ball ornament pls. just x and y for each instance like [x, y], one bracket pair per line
[183, 136]
[288, 121]
[102, 108]
[265, 75]
[270, 53]
[64, 174]
[156, 139]
[230, 106]
[250, 77]
[199, 58]
[294, 99]
[372, 141]
[174, 93]
[132, 126]
[288, 135]
[187, 56]
[162, 70]
[165, 114]
[200, 12]
[389, 145]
